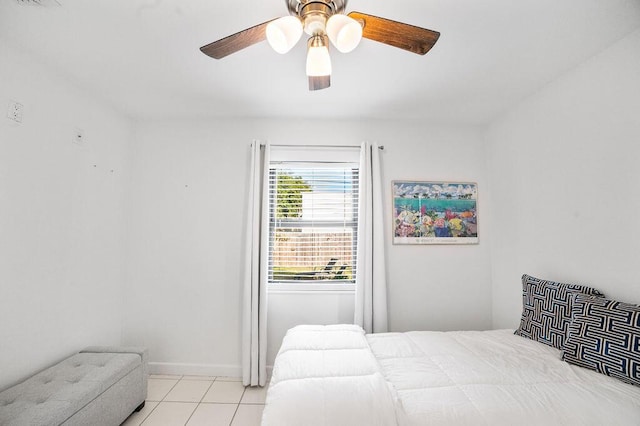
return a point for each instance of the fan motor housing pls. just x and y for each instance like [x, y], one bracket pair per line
[302, 8]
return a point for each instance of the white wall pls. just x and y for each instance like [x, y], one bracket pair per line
[564, 178]
[557, 189]
[62, 226]
[435, 287]
[559, 192]
[289, 309]
[188, 198]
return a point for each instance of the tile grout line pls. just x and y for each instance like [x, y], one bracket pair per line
[159, 402]
[182, 379]
[238, 406]
[147, 416]
[200, 402]
[208, 389]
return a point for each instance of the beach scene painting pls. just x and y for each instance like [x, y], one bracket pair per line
[435, 212]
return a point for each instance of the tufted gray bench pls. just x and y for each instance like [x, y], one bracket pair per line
[99, 386]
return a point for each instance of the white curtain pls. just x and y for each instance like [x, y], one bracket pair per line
[254, 312]
[371, 283]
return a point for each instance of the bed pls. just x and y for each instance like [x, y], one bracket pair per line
[337, 375]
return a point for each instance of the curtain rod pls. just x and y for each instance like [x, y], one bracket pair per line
[381, 147]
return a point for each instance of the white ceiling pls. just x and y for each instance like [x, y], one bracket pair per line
[143, 56]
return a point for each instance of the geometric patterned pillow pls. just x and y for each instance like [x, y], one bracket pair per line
[546, 309]
[605, 336]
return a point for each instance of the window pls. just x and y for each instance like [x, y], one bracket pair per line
[313, 223]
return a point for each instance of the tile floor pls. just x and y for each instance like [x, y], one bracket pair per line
[198, 401]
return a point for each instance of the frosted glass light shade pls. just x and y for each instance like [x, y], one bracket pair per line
[284, 33]
[344, 32]
[318, 59]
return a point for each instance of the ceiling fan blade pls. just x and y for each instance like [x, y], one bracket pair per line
[404, 36]
[235, 42]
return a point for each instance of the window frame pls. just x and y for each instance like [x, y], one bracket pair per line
[328, 286]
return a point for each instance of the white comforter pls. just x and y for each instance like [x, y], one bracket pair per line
[497, 378]
[337, 376]
[327, 375]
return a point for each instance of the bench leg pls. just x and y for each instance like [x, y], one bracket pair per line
[140, 407]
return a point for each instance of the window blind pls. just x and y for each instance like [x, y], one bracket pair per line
[313, 223]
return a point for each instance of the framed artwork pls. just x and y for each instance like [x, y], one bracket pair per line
[427, 212]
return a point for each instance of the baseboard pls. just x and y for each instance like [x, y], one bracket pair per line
[185, 369]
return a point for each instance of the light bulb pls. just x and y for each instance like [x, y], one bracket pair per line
[318, 59]
[344, 32]
[284, 33]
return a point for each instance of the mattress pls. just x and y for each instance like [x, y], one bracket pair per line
[337, 375]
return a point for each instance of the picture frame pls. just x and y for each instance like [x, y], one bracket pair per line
[434, 212]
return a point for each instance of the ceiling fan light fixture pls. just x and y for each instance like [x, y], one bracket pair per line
[344, 32]
[323, 20]
[318, 59]
[284, 33]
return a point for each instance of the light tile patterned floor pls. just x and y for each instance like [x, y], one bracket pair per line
[199, 401]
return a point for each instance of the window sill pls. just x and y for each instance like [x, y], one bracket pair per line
[329, 288]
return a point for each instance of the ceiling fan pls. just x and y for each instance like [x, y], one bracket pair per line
[324, 20]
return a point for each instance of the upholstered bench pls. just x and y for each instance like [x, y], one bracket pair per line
[97, 386]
